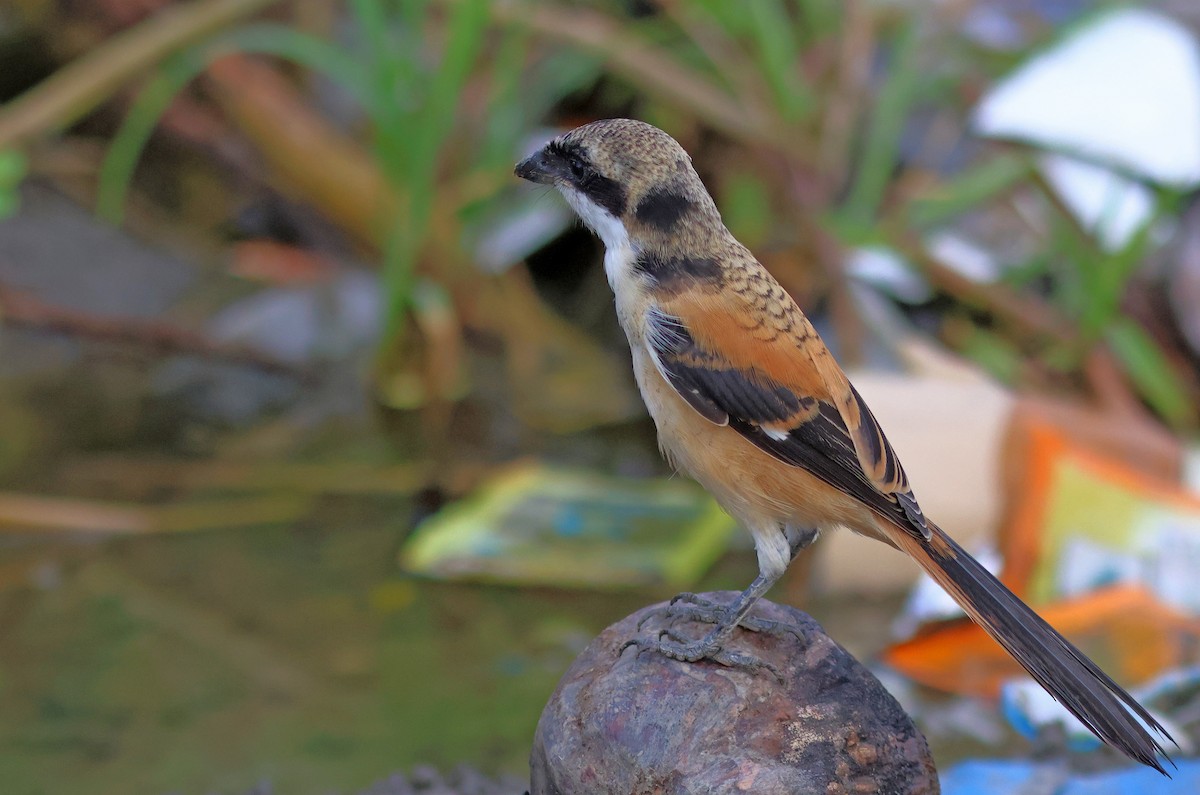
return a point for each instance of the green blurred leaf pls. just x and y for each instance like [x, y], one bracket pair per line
[422, 136]
[996, 354]
[506, 114]
[176, 72]
[464, 43]
[746, 208]
[969, 189]
[820, 18]
[1151, 372]
[116, 171]
[1030, 272]
[778, 53]
[299, 47]
[520, 94]
[1089, 281]
[389, 60]
[887, 125]
[731, 17]
[558, 75]
[13, 166]
[771, 34]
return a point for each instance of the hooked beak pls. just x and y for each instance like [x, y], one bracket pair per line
[538, 167]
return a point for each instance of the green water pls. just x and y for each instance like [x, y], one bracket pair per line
[300, 656]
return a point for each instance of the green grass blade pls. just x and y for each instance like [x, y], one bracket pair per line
[819, 19]
[117, 169]
[389, 63]
[887, 125]
[746, 208]
[969, 189]
[1151, 372]
[463, 44]
[506, 112]
[309, 51]
[730, 17]
[13, 167]
[778, 55]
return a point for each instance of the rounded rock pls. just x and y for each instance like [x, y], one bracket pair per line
[639, 722]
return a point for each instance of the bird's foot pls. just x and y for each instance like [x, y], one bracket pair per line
[690, 607]
[710, 647]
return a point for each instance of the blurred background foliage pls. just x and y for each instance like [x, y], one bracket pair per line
[830, 126]
[351, 309]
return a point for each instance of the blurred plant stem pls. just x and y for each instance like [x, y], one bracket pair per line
[645, 65]
[304, 152]
[80, 86]
[30, 512]
[134, 477]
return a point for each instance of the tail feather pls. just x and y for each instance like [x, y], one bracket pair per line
[1063, 670]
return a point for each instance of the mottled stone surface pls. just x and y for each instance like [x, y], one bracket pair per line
[642, 723]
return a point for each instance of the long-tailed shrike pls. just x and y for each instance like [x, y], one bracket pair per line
[749, 401]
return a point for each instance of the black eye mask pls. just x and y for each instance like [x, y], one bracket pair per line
[587, 179]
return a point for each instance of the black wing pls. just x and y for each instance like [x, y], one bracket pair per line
[799, 430]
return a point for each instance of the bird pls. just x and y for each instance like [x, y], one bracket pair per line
[748, 401]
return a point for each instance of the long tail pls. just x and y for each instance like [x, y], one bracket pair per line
[1067, 674]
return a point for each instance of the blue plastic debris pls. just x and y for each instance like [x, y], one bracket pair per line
[987, 777]
[1028, 708]
[1012, 777]
[1142, 781]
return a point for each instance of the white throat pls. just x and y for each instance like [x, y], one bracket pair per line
[619, 252]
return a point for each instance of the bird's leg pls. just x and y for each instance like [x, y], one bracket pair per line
[690, 607]
[775, 552]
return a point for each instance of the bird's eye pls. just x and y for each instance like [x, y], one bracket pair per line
[579, 168]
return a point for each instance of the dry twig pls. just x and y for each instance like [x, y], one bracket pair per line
[76, 89]
[21, 309]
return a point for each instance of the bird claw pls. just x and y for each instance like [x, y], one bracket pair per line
[669, 644]
[690, 607]
[674, 646]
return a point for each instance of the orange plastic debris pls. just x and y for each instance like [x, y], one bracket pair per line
[1126, 630]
